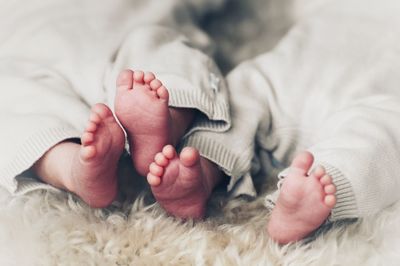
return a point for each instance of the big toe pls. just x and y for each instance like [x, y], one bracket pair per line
[189, 156]
[302, 163]
[102, 110]
[125, 79]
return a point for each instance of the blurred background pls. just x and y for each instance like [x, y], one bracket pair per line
[243, 29]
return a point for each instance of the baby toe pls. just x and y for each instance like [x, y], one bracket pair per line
[161, 160]
[330, 189]
[155, 84]
[319, 171]
[330, 201]
[125, 80]
[148, 77]
[138, 76]
[87, 138]
[88, 152]
[169, 152]
[153, 180]
[162, 93]
[156, 169]
[326, 180]
[91, 127]
[102, 110]
[95, 118]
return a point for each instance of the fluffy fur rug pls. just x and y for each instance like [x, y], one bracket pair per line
[54, 228]
[48, 228]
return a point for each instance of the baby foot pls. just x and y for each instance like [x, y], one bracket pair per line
[94, 169]
[304, 202]
[141, 106]
[179, 184]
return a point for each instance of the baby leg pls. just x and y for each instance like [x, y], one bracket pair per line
[88, 170]
[358, 149]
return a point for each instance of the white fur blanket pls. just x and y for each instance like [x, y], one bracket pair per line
[54, 228]
[48, 228]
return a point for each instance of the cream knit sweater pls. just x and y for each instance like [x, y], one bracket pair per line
[331, 86]
[60, 57]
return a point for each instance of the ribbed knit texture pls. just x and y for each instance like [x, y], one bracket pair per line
[346, 204]
[331, 87]
[28, 153]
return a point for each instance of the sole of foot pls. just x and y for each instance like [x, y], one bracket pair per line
[94, 168]
[179, 183]
[141, 105]
[304, 203]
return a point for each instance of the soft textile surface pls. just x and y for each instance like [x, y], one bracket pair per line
[54, 229]
[50, 228]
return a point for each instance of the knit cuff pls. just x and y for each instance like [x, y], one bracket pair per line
[346, 204]
[211, 100]
[27, 154]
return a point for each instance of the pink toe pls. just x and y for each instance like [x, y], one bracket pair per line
[125, 80]
[301, 163]
[189, 156]
[326, 180]
[161, 160]
[155, 84]
[169, 152]
[156, 169]
[95, 118]
[88, 152]
[102, 110]
[162, 93]
[330, 189]
[148, 77]
[319, 171]
[91, 127]
[138, 76]
[87, 138]
[153, 180]
[330, 201]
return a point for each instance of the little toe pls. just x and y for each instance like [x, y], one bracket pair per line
[330, 189]
[301, 163]
[138, 77]
[319, 171]
[330, 201]
[326, 180]
[169, 152]
[155, 84]
[161, 160]
[153, 180]
[162, 93]
[189, 156]
[156, 169]
[88, 152]
[148, 77]
[87, 138]
[125, 80]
